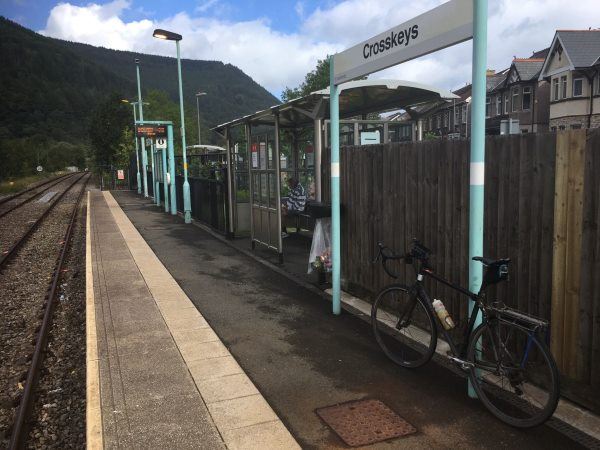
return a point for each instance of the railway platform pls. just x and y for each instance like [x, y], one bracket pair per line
[158, 375]
[301, 358]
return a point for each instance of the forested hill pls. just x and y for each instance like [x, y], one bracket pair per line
[49, 87]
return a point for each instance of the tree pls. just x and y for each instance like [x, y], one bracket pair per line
[313, 81]
[108, 121]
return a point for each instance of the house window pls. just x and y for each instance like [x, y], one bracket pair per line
[446, 118]
[555, 89]
[598, 84]
[488, 107]
[498, 105]
[506, 103]
[516, 102]
[552, 128]
[563, 86]
[438, 121]
[561, 127]
[456, 116]
[464, 114]
[526, 98]
[577, 87]
[576, 126]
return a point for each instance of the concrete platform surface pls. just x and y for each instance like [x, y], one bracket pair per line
[159, 376]
[301, 357]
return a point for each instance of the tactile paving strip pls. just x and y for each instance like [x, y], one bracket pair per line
[364, 422]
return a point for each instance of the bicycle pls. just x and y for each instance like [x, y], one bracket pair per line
[509, 365]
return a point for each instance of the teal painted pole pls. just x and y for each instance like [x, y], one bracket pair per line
[187, 204]
[165, 185]
[335, 190]
[156, 191]
[137, 152]
[477, 169]
[143, 140]
[172, 169]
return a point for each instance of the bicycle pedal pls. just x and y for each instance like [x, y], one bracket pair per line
[464, 365]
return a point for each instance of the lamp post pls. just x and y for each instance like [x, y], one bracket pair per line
[187, 206]
[141, 106]
[198, 95]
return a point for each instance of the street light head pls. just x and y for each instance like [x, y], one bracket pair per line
[124, 100]
[198, 94]
[137, 60]
[166, 35]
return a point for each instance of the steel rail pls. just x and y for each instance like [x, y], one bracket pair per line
[20, 429]
[6, 256]
[18, 205]
[18, 194]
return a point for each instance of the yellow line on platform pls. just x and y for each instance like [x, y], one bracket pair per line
[240, 413]
[93, 414]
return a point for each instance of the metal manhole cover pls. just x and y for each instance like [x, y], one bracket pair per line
[364, 422]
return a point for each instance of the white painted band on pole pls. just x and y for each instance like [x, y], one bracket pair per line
[335, 169]
[477, 173]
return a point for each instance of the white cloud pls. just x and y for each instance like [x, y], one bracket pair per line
[276, 59]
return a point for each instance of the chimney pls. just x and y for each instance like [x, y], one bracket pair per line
[490, 72]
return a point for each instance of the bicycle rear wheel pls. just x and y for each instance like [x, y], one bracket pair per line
[515, 375]
[403, 326]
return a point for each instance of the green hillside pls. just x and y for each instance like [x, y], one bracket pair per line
[50, 88]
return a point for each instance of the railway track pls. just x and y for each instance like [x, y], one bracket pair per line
[20, 333]
[10, 203]
[18, 225]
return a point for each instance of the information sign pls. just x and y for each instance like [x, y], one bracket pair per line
[120, 174]
[161, 142]
[151, 131]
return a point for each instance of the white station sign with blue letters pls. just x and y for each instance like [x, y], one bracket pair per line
[446, 25]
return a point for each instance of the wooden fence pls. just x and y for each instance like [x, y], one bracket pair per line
[542, 210]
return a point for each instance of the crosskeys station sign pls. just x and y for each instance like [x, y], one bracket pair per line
[151, 131]
[446, 25]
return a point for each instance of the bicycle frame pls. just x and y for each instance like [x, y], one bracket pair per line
[475, 311]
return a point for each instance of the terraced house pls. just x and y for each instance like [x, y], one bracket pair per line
[572, 67]
[517, 102]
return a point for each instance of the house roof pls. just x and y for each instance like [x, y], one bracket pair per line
[582, 46]
[540, 53]
[528, 69]
[493, 81]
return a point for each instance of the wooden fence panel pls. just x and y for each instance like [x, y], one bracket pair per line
[542, 210]
[589, 304]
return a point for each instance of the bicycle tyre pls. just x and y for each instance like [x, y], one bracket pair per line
[502, 395]
[409, 352]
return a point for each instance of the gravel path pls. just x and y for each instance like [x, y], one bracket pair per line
[23, 285]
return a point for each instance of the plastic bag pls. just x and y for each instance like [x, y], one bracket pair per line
[320, 250]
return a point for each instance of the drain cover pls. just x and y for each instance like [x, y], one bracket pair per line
[364, 422]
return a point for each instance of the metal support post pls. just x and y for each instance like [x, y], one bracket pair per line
[165, 185]
[248, 131]
[278, 186]
[155, 189]
[172, 169]
[187, 204]
[318, 140]
[230, 196]
[477, 168]
[335, 190]
[137, 152]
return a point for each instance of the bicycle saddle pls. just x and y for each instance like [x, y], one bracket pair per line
[491, 262]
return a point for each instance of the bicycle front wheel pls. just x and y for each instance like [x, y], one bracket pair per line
[514, 374]
[403, 326]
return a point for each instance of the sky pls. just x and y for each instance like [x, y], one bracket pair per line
[277, 42]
